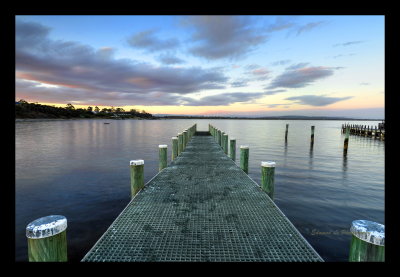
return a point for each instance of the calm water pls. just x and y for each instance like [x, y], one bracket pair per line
[80, 169]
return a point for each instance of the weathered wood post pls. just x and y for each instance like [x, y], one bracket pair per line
[174, 148]
[367, 241]
[312, 135]
[185, 139]
[219, 137]
[162, 156]
[232, 149]
[225, 143]
[286, 132]
[180, 143]
[346, 141]
[244, 158]
[137, 176]
[47, 239]
[267, 178]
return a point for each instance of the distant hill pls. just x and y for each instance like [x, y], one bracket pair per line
[287, 117]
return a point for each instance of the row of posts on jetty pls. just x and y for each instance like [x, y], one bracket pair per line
[47, 240]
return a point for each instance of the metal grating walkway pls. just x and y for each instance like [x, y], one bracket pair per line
[202, 207]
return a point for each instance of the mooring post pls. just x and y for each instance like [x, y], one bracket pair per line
[244, 158]
[162, 156]
[174, 148]
[219, 137]
[137, 176]
[232, 150]
[47, 239]
[312, 134]
[267, 178]
[367, 241]
[180, 143]
[225, 143]
[346, 141]
[286, 132]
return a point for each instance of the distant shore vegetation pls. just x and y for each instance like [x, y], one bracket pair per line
[25, 110]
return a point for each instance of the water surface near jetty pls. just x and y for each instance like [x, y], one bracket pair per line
[80, 169]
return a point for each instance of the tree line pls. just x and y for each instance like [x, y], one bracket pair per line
[23, 109]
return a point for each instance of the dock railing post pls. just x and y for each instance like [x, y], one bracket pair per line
[244, 158]
[162, 155]
[367, 241]
[232, 149]
[219, 138]
[47, 239]
[174, 148]
[137, 176]
[267, 177]
[225, 143]
[184, 134]
[180, 143]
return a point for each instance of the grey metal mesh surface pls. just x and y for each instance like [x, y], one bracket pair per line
[202, 207]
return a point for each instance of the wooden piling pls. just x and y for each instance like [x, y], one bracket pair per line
[47, 239]
[244, 158]
[162, 156]
[312, 134]
[137, 176]
[185, 139]
[225, 144]
[346, 141]
[232, 149]
[267, 178]
[367, 242]
[286, 132]
[219, 137]
[180, 143]
[175, 145]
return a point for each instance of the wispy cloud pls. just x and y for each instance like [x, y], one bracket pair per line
[147, 40]
[281, 62]
[281, 23]
[224, 99]
[309, 26]
[220, 37]
[298, 76]
[170, 59]
[316, 100]
[348, 43]
[272, 92]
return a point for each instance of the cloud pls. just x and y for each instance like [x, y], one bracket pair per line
[272, 92]
[348, 43]
[364, 84]
[298, 76]
[170, 59]
[221, 37]
[281, 62]
[309, 26]
[316, 100]
[84, 73]
[224, 99]
[281, 23]
[148, 41]
[240, 83]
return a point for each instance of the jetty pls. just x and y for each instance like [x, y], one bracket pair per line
[376, 132]
[201, 207]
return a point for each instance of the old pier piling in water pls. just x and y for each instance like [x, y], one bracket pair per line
[47, 239]
[376, 132]
[346, 141]
[367, 241]
[312, 135]
[286, 132]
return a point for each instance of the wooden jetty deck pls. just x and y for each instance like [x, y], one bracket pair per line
[202, 207]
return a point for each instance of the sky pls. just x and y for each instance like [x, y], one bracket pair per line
[205, 65]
